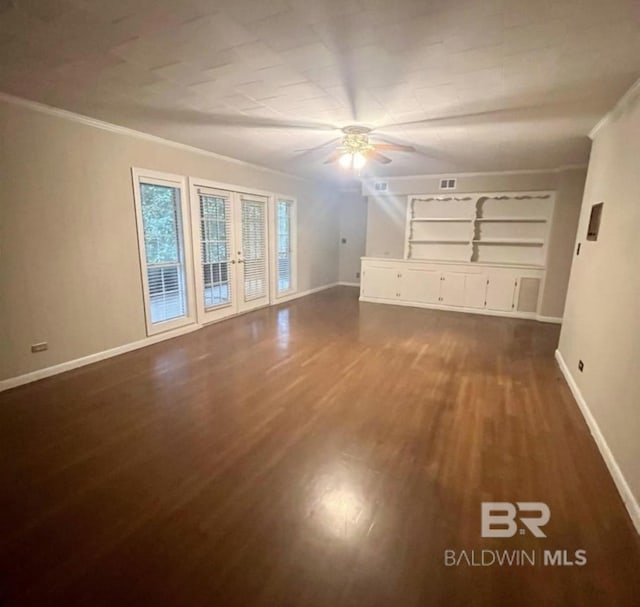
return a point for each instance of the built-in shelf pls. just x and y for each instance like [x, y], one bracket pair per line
[440, 241]
[461, 219]
[503, 228]
[514, 219]
[522, 242]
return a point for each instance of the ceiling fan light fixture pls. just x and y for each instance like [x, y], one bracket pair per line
[359, 160]
[346, 160]
[356, 149]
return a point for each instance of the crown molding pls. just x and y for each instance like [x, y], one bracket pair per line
[123, 130]
[560, 169]
[618, 107]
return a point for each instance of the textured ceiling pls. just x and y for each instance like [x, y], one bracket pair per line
[474, 85]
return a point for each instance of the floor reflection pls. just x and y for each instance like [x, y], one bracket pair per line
[283, 329]
[339, 507]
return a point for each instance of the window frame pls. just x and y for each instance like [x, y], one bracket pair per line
[278, 296]
[179, 182]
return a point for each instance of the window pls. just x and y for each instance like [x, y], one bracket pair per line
[160, 208]
[285, 246]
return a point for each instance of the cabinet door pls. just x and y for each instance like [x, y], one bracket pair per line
[452, 289]
[475, 289]
[380, 281]
[500, 292]
[420, 286]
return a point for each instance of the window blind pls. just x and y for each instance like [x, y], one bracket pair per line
[215, 249]
[254, 248]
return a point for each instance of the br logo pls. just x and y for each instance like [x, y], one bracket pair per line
[500, 519]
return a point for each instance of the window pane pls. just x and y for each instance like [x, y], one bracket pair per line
[254, 249]
[283, 225]
[160, 208]
[215, 229]
[164, 251]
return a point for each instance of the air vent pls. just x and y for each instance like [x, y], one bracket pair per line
[381, 186]
[448, 184]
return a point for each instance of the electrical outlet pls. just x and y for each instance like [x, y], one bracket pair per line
[41, 347]
[580, 366]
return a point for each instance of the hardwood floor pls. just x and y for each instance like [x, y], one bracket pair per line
[321, 453]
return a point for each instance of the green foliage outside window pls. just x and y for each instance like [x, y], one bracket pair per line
[160, 206]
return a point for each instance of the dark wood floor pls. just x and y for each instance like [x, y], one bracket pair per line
[321, 453]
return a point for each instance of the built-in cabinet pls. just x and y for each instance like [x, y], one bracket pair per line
[488, 288]
[478, 252]
[504, 227]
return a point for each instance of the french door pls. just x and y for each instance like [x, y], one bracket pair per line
[231, 252]
[251, 247]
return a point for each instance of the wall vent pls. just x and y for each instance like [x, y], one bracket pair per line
[381, 186]
[448, 184]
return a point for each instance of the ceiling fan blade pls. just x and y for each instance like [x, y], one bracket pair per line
[396, 147]
[334, 157]
[301, 153]
[509, 112]
[380, 158]
[188, 116]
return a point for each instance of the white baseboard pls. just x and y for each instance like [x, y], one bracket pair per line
[628, 498]
[299, 294]
[349, 284]
[27, 378]
[483, 311]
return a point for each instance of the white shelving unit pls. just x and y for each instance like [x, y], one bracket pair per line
[443, 241]
[513, 219]
[501, 228]
[435, 219]
[526, 242]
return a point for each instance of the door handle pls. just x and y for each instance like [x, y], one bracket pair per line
[233, 261]
[240, 260]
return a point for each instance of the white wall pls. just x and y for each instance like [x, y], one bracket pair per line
[387, 218]
[69, 271]
[602, 316]
[353, 228]
[564, 225]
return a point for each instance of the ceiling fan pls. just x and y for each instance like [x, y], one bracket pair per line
[356, 149]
